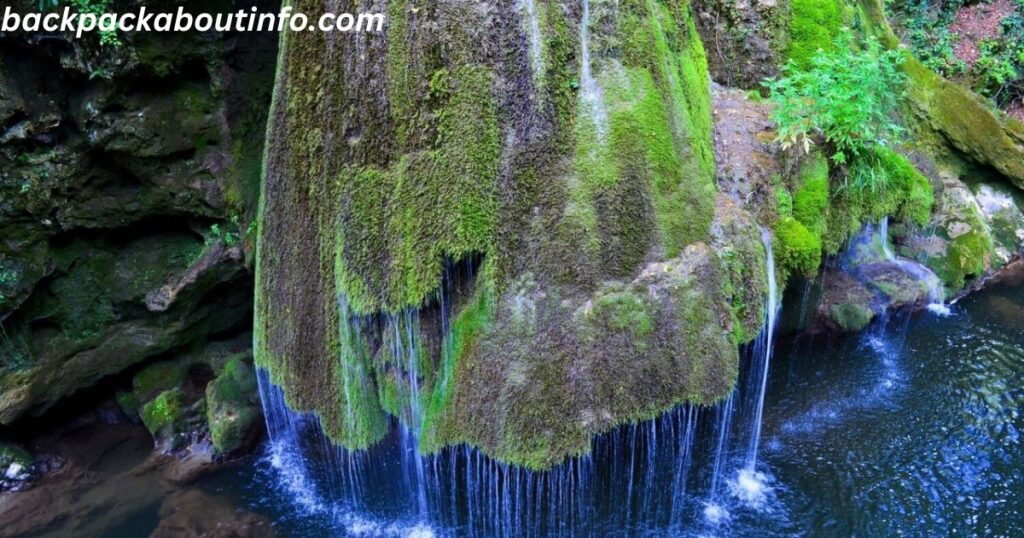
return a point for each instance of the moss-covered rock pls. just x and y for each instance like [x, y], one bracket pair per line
[797, 250]
[164, 414]
[1001, 209]
[947, 114]
[94, 321]
[232, 406]
[851, 317]
[111, 158]
[957, 244]
[382, 177]
[11, 454]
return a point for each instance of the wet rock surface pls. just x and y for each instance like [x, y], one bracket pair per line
[128, 178]
[104, 477]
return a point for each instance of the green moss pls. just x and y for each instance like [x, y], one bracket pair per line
[656, 163]
[810, 198]
[797, 250]
[851, 317]
[472, 322]
[621, 311]
[784, 202]
[164, 412]
[967, 256]
[813, 25]
[159, 377]
[902, 192]
[232, 405]
[398, 225]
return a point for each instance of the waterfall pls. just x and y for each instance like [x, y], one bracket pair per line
[749, 485]
[883, 231]
[405, 330]
[921, 273]
[763, 349]
[590, 90]
[533, 32]
[637, 476]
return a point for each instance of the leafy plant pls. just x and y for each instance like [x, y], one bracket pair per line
[230, 235]
[927, 32]
[847, 95]
[94, 7]
[999, 70]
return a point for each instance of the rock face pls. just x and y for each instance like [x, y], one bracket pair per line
[128, 176]
[745, 39]
[578, 184]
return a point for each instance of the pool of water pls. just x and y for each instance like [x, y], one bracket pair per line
[911, 428]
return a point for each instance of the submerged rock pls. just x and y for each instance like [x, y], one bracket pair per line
[194, 514]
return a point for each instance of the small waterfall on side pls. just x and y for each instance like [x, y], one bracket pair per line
[749, 485]
[936, 293]
[533, 32]
[590, 90]
[764, 347]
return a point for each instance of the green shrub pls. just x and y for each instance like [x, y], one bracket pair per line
[846, 95]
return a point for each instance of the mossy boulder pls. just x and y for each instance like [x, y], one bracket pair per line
[165, 414]
[958, 244]
[851, 317]
[1001, 208]
[232, 406]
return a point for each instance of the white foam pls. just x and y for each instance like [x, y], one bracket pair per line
[751, 487]
[715, 513]
[939, 309]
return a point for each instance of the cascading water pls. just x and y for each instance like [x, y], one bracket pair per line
[647, 475]
[590, 90]
[749, 485]
[936, 293]
[764, 347]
